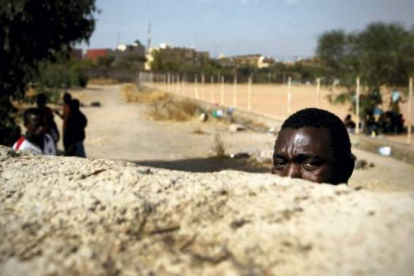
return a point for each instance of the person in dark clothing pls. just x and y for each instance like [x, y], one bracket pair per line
[68, 146]
[50, 125]
[75, 129]
[349, 124]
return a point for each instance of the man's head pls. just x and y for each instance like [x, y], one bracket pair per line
[34, 123]
[314, 145]
[74, 105]
[41, 100]
[67, 98]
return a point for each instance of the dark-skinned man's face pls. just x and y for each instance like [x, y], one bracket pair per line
[304, 153]
[35, 126]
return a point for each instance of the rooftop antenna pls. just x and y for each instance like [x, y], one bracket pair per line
[149, 36]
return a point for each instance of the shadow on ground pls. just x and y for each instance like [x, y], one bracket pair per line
[210, 164]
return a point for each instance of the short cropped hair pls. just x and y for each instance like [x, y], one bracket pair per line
[67, 98]
[338, 135]
[74, 105]
[29, 112]
[41, 100]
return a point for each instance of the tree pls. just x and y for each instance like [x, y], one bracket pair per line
[381, 55]
[31, 32]
[385, 53]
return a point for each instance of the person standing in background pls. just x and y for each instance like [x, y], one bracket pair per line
[50, 125]
[75, 129]
[68, 147]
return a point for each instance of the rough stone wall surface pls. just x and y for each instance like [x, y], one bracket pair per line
[71, 216]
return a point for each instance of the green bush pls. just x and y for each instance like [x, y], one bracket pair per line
[63, 74]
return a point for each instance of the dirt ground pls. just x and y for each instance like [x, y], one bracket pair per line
[272, 99]
[124, 131]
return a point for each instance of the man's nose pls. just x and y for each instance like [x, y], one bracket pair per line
[294, 171]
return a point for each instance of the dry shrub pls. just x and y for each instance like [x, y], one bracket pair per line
[218, 147]
[170, 109]
[198, 131]
[130, 93]
[162, 105]
[102, 81]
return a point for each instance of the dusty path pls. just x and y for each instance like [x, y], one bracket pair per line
[122, 131]
[118, 130]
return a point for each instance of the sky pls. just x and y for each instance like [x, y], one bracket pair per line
[282, 29]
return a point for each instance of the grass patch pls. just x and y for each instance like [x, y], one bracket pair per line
[130, 93]
[198, 131]
[173, 110]
[162, 106]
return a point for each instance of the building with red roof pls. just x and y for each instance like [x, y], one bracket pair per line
[95, 54]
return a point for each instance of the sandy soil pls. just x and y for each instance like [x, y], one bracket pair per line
[122, 131]
[272, 99]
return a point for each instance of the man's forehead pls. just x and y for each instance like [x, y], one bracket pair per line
[307, 138]
[35, 117]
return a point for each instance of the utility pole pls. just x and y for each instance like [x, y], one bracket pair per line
[289, 96]
[118, 36]
[149, 36]
[410, 102]
[357, 105]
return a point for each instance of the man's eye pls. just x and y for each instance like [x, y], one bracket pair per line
[311, 165]
[279, 164]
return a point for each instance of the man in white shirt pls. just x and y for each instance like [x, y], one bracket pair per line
[35, 140]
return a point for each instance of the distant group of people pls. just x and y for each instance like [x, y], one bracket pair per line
[42, 134]
[386, 123]
[376, 121]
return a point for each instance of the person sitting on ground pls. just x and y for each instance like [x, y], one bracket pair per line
[314, 145]
[349, 124]
[36, 139]
[75, 128]
[50, 125]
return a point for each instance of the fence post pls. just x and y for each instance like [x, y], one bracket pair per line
[203, 86]
[357, 104]
[152, 80]
[222, 91]
[249, 96]
[235, 91]
[410, 100]
[212, 89]
[182, 91]
[168, 81]
[289, 96]
[196, 86]
[177, 84]
[318, 92]
[165, 84]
